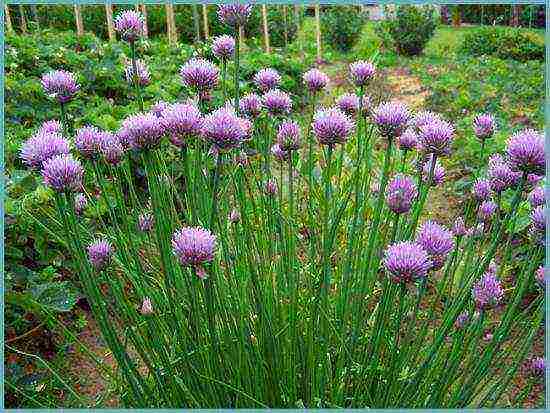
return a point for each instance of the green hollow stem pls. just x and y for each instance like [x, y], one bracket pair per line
[425, 189]
[224, 75]
[137, 87]
[237, 68]
[64, 120]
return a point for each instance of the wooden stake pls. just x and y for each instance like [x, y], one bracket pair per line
[266, 30]
[78, 18]
[110, 24]
[205, 21]
[144, 13]
[34, 11]
[171, 24]
[7, 17]
[196, 22]
[318, 30]
[286, 25]
[23, 19]
[242, 44]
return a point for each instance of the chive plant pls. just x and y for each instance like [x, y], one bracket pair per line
[251, 282]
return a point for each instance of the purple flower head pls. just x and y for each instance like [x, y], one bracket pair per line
[532, 179]
[60, 85]
[129, 24]
[234, 216]
[361, 72]
[143, 76]
[112, 149]
[408, 140]
[267, 79]
[271, 187]
[538, 219]
[492, 268]
[251, 105]
[51, 126]
[487, 292]
[536, 197]
[62, 173]
[199, 75]
[235, 14]
[438, 174]
[223, 47]
[194, 247]
[143, 131]
[182, 122]
[224, 129]
[462, 320]
[146, 221]
[146, 307]
[484, 126]
[280, 154]
[158, 108]
[42, 147]
[406, 261]
[99, 254]
[348, 103]
[536, 366]
[277, 102]
[88, 140]
[487, 211]
[525, 150]
[438, 242]
[540, 277]
[80, 203]
[332, 126]
[481, 190]
[423, 118]
[315, 80]
[288, 136]
[391, 118]
[400, 193]
[500, 174]
[436, 137]
[459, 227]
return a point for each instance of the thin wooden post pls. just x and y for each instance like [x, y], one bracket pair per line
[171, 24]
[205, 21]
[110, 25]
[242, 43]
[297, 15]
[34, 12]
[196, 22]
[266, 30]
[318, 30]
[23, 19]
[78, 18]
[144, 14]
[286, 25]
[7, 17]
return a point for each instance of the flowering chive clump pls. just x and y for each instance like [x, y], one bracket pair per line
[143, 77]
[251, 105]
[145, 222]
[487, 211]
[408, 140]
[129, 24]
[267, 79]
[144, 131]
[437, 241]
[436, 137]
[288, 136]
[224, 129]
[51, 126]
[60, 85]
[500, 174]
[536, 197]
[481, 190]
[277, 102]
[484, 126]
[438, 173]
[182, 122]
[406, 261]
[459, 227]
[525, 150]
[235, 14]
[487, 292]
[111, 148]
[391, 118]
[194, 247]
[400, 193]
[99, 254]
[199, 75]
[315, 80]
[331, 126]
[223, 47]
[88, 140]
[42, 147]
[80, 203]
[361, 72]
[348, 103]
[63, 173]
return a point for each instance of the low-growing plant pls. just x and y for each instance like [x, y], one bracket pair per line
[341, 26]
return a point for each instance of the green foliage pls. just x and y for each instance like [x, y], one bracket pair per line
[505, 43]
[500, 14]
[408, 28]
[341, 26]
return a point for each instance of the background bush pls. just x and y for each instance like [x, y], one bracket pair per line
[342, 25]
[408, 28]
[530, 15]
[504, 42]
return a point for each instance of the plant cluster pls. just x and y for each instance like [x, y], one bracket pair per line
[341, 26]
[490, 14]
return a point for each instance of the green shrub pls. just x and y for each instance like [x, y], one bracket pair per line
[342, 25]
[505, 43]
[408, 28]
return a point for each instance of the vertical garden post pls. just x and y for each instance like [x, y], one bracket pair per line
[196, 22]
[9, 27]
[78, 20]
[171, 23]
[144, 14]
[23, 19]
[110, 25]
[266, 30]
[205, 21]
[318, 30]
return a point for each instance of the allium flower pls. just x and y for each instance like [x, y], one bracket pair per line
[42, 147]
[540, 277]
[80, 203]
[158, 108]
[129, 24]
[277, 102]
[146, 307]
[484, 126]
[143, 130]
[459, 227]
[111, 148]
[99, 254]
[199, 74]
[288, 136]
[267, 79]
[400, 193]
[143, 76]
[251, 105]
[60, 85]
[391, 118]
[536, 366]
[487, 292]
[182, 122]
[462, 320]
[481, 190]
[88, 140]
[224, 129]
[406, 261]
[423, 118]
[487, 211]
[223, 47]
[438, 174]
[62, 173]
[332, 126]
[538, 219]
[348, 103]
[234, 15]
[194, 247]
[501, 176]
[525, 151]
[408, 140]
[279, 153]
[315, 80]
[51, 126]
[532, 179]
[437, 240]
[361, 72]
[271, 187]
[145, 222]
[536, 197]
[234, 216]
[436, 137]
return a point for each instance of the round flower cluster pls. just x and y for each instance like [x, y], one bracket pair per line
[279, 154]
[459, 227]
[406, 261]
[129, 24]
[391, 118]
[223, 47]
[484, 126]
[224, 129]
[199, 75]
[288, 136]
[41, 147]
[80, 203]
[315, 80]
[63, 173]
[194, 247]
[423, 118]
[500, 174]
[60, 85]
[143, 131]
[235, 14]
[332, 126]
[525, 150]
[88, 141]
[536, 197]
[487, 292]
[182, 122]
[112, 149]
[145, 222]
[267, 79]
[361, 72]
[99, 254]
[400, 193]
[143, 78]
[436, 137]
[487, 211]
[251, 105]
[277, 102]
[481, 190]
[408, 141]
[437, 241]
